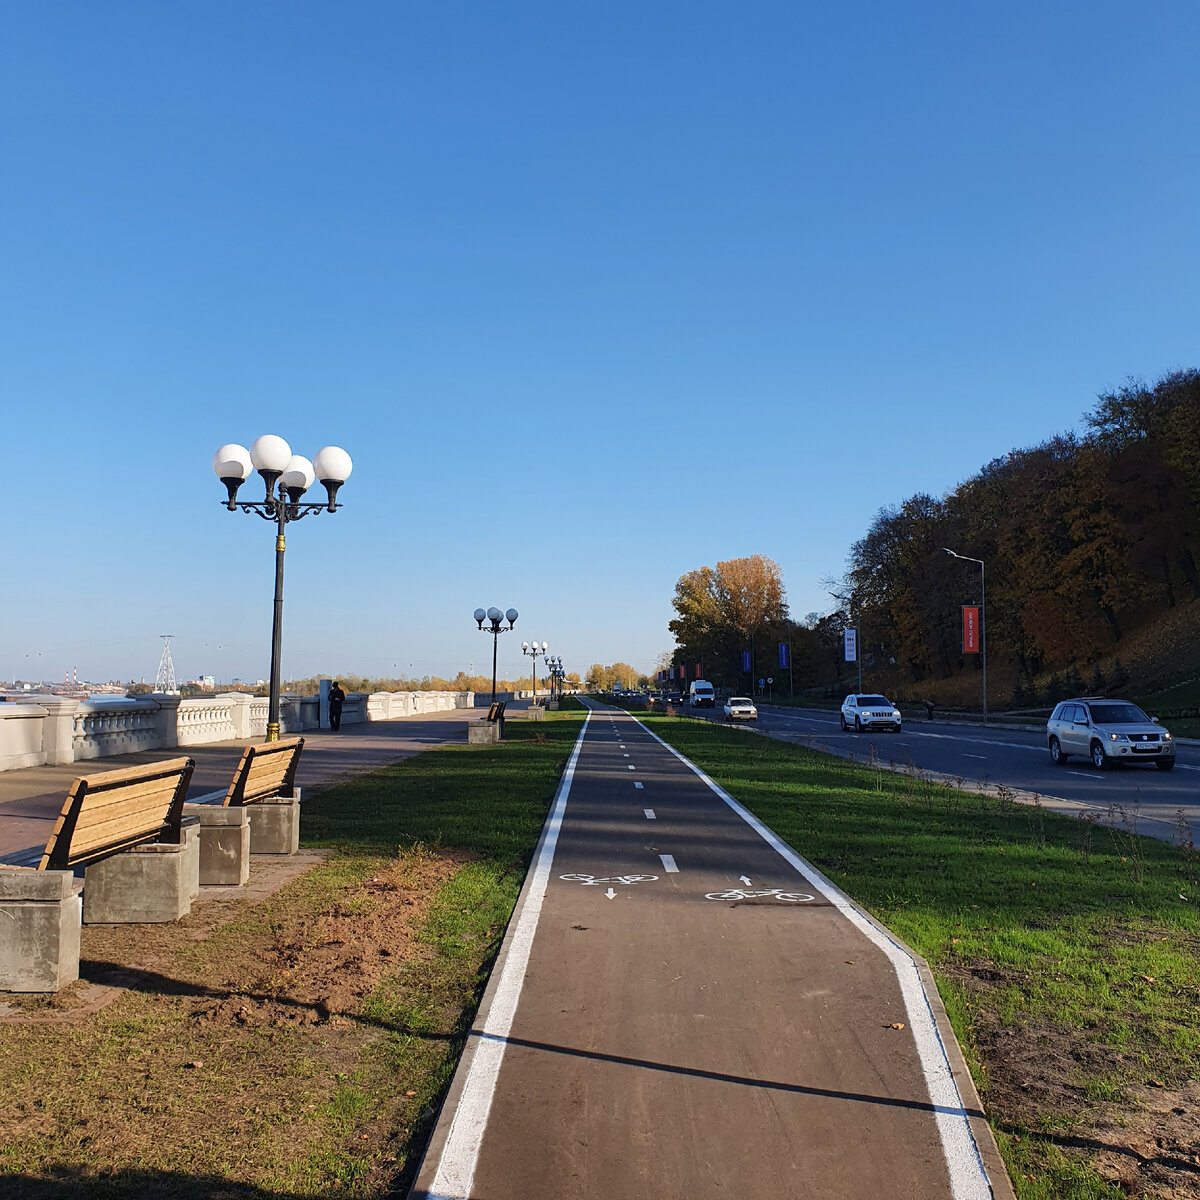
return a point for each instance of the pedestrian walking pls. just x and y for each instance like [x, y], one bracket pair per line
[928, 709]
[336, 699]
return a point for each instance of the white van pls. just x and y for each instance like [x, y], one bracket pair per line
[701, 694]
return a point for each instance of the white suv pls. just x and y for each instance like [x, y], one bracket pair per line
[869, 712]
[1107, 731]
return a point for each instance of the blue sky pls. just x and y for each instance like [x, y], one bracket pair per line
[592, 294]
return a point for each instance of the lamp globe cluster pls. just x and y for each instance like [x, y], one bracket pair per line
[273, 459]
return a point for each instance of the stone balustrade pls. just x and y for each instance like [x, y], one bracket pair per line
[50, 730]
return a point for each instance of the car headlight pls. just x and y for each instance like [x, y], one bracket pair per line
[1117, 737]
[895, 712]
[1166, 736]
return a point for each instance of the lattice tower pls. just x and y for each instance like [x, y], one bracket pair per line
[165, 681]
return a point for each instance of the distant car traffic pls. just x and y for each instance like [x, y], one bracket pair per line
[861, 712]
[740, 708]
[1107, 731]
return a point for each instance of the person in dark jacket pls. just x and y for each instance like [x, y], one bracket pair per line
[928, 709]
[336, 699]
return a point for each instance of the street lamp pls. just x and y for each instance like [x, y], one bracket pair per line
[292, 475]
[533, 650]
[982, 622]
[554, 667]
[494, 616]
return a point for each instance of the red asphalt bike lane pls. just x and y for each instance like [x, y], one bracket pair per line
[684, 1008]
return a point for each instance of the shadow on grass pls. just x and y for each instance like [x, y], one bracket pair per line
[72, 1183]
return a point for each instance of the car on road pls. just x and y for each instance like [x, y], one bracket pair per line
[740, 708]
[701, 694]
[1107, 732]
[869, 711]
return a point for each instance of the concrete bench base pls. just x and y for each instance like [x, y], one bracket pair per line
[40, 913]
[483, 733]
[224, 844]
[535, 713]
[275, 825]
[151, 883]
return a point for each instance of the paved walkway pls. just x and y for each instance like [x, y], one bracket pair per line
[684, 1009]
[31, 798]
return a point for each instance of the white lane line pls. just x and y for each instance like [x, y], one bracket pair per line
[637, 784]
[649, 814]
[668, 862]
[1082, 774]
[456, 1169]
[632, 767]
[968, 1178]
[624, 755]
[983, 756]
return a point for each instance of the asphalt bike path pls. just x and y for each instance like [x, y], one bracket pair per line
[683, 1008]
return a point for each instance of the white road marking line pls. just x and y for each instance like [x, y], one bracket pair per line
[649, 814]
[624, 755]
[455, 1173]
[632, 767]
[968, 1178]
[1083, 774]
[668, 862]
[983, 756]
[636, 784]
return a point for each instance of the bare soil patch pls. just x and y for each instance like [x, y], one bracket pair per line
[232, 1044]
[1146, 1141]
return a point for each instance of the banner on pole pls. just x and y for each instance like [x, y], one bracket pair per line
[745, 660]
[783, 655]
[850, 643]
[697, 670]
[970, 619]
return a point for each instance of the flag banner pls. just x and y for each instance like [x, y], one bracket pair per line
[783, 655]
[850, 642]
[970, 619]
[697, 670]
[745, 660]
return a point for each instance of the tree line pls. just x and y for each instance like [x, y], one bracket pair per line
[1085, 538]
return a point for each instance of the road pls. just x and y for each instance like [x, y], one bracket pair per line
[1016, 758]
[684, 1010]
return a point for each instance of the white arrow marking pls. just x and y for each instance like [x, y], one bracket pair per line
[611, 894]
[649, 814]
[744, 879]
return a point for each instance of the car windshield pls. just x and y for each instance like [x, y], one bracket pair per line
[875, 701]
[740, 700]
[1118, 714]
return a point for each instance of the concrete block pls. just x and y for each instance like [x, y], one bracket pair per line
[275, 825]
[483, 733]
[535, 712]
[150, 883]
[39, 938]
[224, 857]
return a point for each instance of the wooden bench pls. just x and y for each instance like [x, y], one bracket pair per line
[115, 810]
[127, 828]
[266, 773]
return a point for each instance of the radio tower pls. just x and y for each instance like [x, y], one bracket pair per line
[165, 682]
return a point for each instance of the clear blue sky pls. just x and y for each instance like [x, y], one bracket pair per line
[593, 294]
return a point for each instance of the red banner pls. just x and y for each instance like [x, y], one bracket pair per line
[697, 670]
[970, 618]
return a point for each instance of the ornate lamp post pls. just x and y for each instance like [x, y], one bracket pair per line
[287, 477]
[494, 616]
[982, 622]
[533, 650]
[555, 667]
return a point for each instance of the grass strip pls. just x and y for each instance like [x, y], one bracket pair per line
[303, 1047]
[1067, 953]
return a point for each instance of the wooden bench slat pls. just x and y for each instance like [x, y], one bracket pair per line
[150, 807]
[103, 780]
[264, 771]
[112, 831]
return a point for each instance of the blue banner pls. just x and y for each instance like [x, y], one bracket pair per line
[783, 655]
[745, 660]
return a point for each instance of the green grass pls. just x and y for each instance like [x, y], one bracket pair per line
[1075, 929]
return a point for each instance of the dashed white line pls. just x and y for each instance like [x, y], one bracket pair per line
[632, 767]
[668, 862]
[624, 755]
[637, 784]
[649, 814]
[983, 756]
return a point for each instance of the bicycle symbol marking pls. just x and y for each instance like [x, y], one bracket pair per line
[760, 894]
[596, 880]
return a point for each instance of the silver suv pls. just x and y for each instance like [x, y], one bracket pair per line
[1107, 731]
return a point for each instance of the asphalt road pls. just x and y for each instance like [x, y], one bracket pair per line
[1016, 758]
[680, 1012]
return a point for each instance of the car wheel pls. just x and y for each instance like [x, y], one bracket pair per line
[1165, 764]
[1099, 758]
[857, 725]
[1057, 757]
[843, 720]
